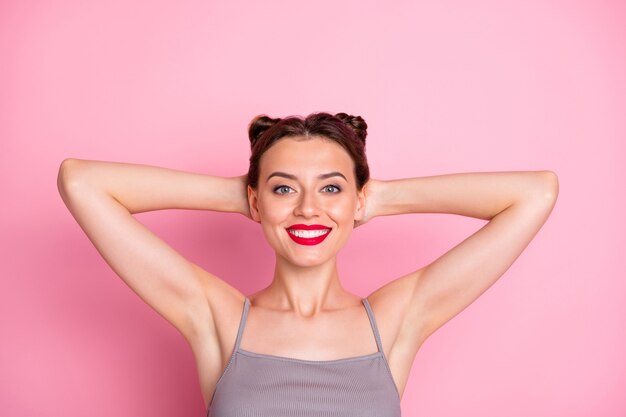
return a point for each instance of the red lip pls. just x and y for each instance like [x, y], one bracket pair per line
[306, 240]
[308, 227]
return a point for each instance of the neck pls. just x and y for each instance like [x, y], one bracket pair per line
[306, 290]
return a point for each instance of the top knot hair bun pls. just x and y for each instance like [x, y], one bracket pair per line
[346, 130]
[258, 126]
[356, 123]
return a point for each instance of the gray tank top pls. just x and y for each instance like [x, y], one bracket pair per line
[261, 385]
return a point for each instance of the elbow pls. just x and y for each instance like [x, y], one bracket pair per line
[543, 190]
[67, 178]
[65, 169]
[550, 184]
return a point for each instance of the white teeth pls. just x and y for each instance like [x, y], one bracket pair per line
[307, 234]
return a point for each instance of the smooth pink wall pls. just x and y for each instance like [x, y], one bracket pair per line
[444, 86]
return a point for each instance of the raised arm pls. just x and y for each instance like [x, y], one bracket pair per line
[516, 205]
[102, 196]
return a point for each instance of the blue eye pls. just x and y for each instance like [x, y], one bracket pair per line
[333, 188]
[282, 189]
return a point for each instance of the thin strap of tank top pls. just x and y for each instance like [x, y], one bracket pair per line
[242, 322]
[370, 314]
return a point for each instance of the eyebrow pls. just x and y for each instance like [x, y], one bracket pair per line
[293, 177]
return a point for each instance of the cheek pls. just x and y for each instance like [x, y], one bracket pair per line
[342, 211]
[273, 215]
[271, 210]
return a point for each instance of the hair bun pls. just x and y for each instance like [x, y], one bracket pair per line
[258, 126]
[356, 123]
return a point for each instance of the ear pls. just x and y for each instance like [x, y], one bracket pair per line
[359, 214]
[253, 202]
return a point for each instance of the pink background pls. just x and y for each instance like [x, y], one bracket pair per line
[444, 87]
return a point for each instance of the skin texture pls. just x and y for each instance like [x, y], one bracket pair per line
[305, 312]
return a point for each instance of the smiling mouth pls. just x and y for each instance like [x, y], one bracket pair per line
[308, 233]
[308, 237]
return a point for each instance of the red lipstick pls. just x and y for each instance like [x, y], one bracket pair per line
[305, 238]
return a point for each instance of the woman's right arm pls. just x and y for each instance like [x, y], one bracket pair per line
[103, 196]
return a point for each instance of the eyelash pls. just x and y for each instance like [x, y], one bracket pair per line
[326, 186]
[336, 186]
[279, 187]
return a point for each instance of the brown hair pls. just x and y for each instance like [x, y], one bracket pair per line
[346, 130]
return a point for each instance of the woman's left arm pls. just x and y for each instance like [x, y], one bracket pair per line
[516, 205]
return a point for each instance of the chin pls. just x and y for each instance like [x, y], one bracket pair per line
[307, 261]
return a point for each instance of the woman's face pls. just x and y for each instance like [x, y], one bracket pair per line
[304, 184]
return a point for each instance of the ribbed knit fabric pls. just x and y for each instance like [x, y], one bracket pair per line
[260, 385]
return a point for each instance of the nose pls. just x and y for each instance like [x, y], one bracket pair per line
[307, 206]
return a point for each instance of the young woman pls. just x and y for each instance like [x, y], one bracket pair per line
[310, 348]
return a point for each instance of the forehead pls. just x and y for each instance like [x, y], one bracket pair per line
[306, 156]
